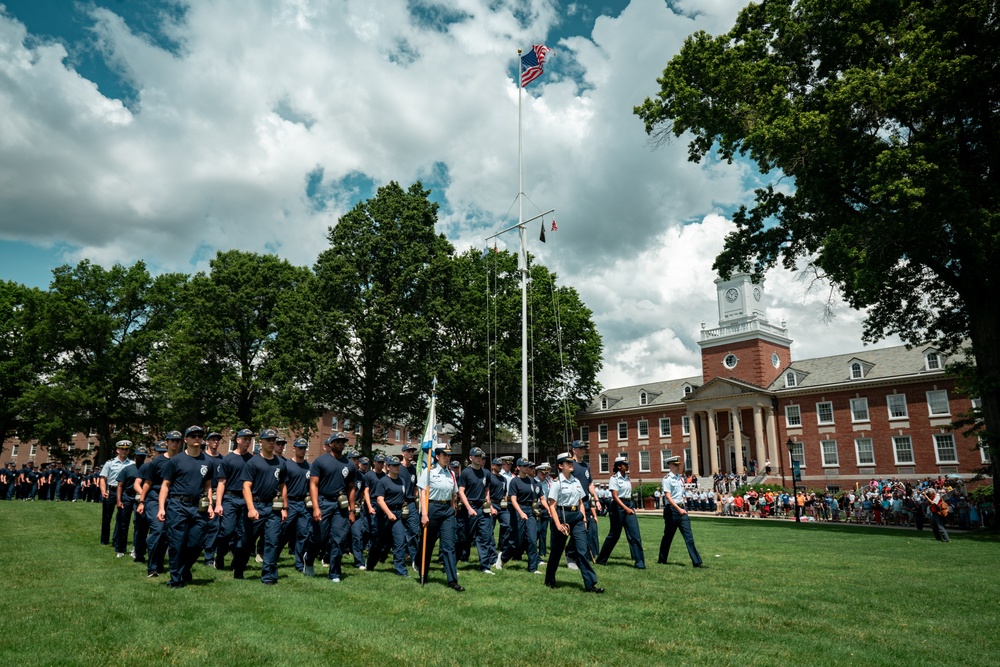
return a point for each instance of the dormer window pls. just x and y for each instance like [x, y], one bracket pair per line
[791, 380]
[857, 371]
[643, 398]
[688, 389]
[604, 402]
[932, 360]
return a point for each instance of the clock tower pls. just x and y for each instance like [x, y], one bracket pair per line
[745, 346]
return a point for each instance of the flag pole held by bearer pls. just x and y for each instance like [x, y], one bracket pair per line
[424, 461]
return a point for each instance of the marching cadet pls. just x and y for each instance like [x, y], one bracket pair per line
[125, 500]
[622, 513]
[186, 477]
[591, 504]
[675, 517]
[463, 545]
[149, 502]
[108, 480]
[230, 506]
[542, 479]
[438, 517]
[298, 523]
[364, 523]
[498, 509]
[523, 496]
[263, 485]
[408, 471]
[331, 488]
[390, 532]
[474, 499]
[569, 522]
[211, 535]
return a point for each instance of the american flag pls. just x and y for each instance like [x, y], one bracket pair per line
[531, 63]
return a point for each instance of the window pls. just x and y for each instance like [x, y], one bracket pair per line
[937, 403]
[944, 447]
[665, 427]
[14, 450]
[792, 416]
[643, 398]
[897, 406]
[602, 433]
[333, 423]
[903, 447]
[824, 412]
[623, 430]
[347, 425]
[584, 433]
[643, 428]
[833, 488]
[791, 380]
[688, 389]
[687, 459]
[830, 457]
[685, 425]
[604, 462]
[857, 371]
[664, 455]
[32, 451]
[933, 360]
[604, 403]
[798, 453]
[232, 445]
[730, 361]
[92, 432]
[145, 429]
[643, 461]
[984, 453]
[859, 409]
[397, 435]
[775, 360]
[866, 451]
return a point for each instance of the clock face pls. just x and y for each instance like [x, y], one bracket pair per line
[732, 294]
[756, 293]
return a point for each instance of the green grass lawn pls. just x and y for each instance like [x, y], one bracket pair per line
[776, 594]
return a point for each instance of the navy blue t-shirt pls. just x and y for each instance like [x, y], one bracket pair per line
[230, 470]
[265, 475]
[297, 478]
[390, 489]
[582, 472]
[525, 492]
[127, 476]
[152, 472]
[335, 475]
[214, 462]
[474, 482]
[498, 488]
[187, 474]
[371, 480]
[409, 476]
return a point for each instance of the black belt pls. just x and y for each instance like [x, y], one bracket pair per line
[627, 502]
[441, 502]
[234, 493]
[395, 508]
[297, 498]
[189, 500]
[259, 499]
[570, 508]
[332, 499]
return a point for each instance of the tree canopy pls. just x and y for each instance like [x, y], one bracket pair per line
[883, 116]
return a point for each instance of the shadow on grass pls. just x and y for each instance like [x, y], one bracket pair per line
[829, 527]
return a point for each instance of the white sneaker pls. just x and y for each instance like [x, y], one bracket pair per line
[571, 564]
[538, 572]
[362, 567]
[499, 564]
[258, 558]
[335, 580]
[132, 554]
[120, 555]
[541, 562]
[488, 572]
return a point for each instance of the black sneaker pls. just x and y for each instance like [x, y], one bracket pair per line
[153, 575]
[455, 586]
[593, 589]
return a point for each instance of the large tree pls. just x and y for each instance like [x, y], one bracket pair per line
[884, 117]
[484, 304]
[237, 355]
[22, 356]
[380, 288]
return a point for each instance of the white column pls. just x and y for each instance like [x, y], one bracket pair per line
[758, 436]
[772, 441]
[713, 444]
[693, 430]
[737, 441]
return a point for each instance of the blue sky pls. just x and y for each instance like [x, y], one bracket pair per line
[168, 130]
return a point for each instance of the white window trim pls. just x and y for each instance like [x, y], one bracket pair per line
[937, 455]
[927, 360]
[643, 398]
[888, 408]
[685, 425]
[585, 433]
[984, 454]
[788, 422]
[606, 431]
[14, 450]
[947, 400]
[688, 389]
[895, 452]
[645, 468]
[790, 375]
[725, 361]
[604, 403]
[860, 368]
[619, 431]
[822, 454]
[833, 417]
[667, 420]
[638, 429]
[664, 455]
[603, 462]
[857, 453]
[802, 464]
[868, 418]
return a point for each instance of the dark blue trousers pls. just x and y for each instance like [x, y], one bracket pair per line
[480, 532]
[672, 522]
[268, 527]
[107, 513]
[412, 530]
[620, 520]
[389, 536]
[184, 538]
[503, 518]
[122, 522]
[139, 538]
[330, 536]
[441, 524]
[361, 534]
[577, 537]
[296, 531]
[232, 531]
[210, 537]
[156, 540]
[525, 539]
[543, 531]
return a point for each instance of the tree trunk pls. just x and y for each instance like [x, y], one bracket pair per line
[984, 332]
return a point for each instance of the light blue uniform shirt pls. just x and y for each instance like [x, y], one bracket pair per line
[673, 486]
[113, 468]
[442, 484]
[566, 491]
[622, 485]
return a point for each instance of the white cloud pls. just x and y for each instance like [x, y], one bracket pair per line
[215, 151]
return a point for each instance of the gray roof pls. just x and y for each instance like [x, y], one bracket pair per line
[657, 393]
[885, 363]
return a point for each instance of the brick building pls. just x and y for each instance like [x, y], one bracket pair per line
[848, 417]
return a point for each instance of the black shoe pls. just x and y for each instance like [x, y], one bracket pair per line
[139, 560]
[270, 583]
[176, 584]
[238, 575]
[550, 584]
[601, 562]
[455, 586]
[661, 562]
[593, 589]
[701, 566]
[153, 575]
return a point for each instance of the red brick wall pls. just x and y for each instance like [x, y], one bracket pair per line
[754, 364]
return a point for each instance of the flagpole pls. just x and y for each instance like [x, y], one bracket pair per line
[524, 269]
